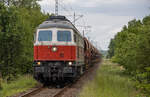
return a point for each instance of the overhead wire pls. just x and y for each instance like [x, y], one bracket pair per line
[68, 10]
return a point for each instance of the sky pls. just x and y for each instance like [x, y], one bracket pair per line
[106, 17]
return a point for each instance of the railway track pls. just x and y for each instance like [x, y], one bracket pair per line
[57, 93]
[33, 92]
[54, 92]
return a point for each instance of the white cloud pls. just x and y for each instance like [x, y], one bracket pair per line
[105, 27]
[106, 17]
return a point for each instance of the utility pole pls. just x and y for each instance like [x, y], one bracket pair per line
[75, 19]
[56, 7]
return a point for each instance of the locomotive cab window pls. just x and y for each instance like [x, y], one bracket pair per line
[45, 35]
[64, 36]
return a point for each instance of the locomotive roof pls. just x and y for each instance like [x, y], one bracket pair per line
[58, 22]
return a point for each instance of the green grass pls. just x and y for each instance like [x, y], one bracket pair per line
[109, 82]
[21, 84]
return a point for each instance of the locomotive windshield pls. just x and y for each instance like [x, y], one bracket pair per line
[45, 35]
[64, 36]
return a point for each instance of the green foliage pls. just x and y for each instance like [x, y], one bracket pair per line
[17, 26]
[132, 50]
[21, 84]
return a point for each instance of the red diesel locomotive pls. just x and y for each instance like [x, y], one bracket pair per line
[60, 51]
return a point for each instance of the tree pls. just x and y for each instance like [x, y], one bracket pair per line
[16, 37]
[111, 49]
[132, 49]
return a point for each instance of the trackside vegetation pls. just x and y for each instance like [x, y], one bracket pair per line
[18, 21]
[21, 84]
[110, 81]
[131, 49]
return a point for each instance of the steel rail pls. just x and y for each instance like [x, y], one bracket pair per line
[33, 92]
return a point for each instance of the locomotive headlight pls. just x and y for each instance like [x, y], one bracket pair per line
[54, 49]
[38, 63]
[70, 63]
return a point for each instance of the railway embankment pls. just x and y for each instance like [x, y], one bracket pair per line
[110, 81]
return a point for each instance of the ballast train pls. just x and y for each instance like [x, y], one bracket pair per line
[60, 51]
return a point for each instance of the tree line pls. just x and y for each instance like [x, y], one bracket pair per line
[18, 21]
[131, 49]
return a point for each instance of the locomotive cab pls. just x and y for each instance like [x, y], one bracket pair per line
[58, 51]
